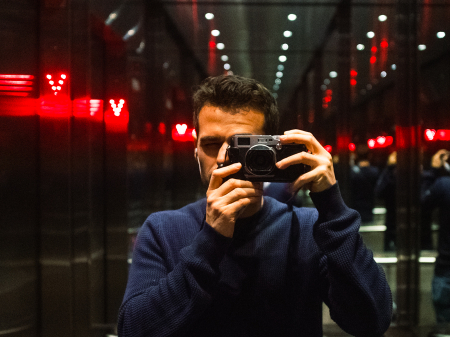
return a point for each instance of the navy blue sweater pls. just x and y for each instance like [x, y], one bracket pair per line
[270, 279]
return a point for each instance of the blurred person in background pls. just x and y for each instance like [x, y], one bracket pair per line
[238, 263]
[436, 194]
[363, 178]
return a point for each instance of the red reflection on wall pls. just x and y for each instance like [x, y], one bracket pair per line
[116, 116]
[162, 128]
[20, 106]
[88, 108]
[407, 136]
[59, 106]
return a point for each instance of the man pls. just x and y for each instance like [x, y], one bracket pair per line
[436, 194]
[238, 264]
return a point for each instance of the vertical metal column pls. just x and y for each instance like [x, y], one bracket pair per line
[343, 95]
[408, 165]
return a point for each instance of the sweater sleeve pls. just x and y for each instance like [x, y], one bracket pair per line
[357, 292]
[163, 302]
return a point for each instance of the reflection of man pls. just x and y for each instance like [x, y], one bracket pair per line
[436, 194]
[239, 264]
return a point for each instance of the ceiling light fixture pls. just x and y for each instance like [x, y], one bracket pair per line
[220, 46]
[287, 33]
[226, 66]
[278, 81]
[224, 58]
[382, 18]
[370, 34]
[282, 58]
[440, 35]
[422, 47]
[279, 74]
[215, 32]
[209, 16]
[292, 17]
[383, 74]
[333, 74]
[360, 46]
[280, 67]
[285, 46]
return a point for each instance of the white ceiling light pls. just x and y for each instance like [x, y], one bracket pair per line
[278, 81]
[282, 58]
[383, 74]
[226, 66]
[333, 74]
[287, 33]
[224, 58]
[209, 16]
[220, 46]
[276, 87]
[280, 67]
[292, 17]
[360, 46]
[370, 34]
[382, 18]
[394, 66]
[279, 74]
[422, 47]
[440, 35]
[285, 46]
[215, 32]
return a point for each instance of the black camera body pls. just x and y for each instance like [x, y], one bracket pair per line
[258, 155]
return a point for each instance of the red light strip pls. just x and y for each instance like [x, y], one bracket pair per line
[14, 88]
[9, 82]
[27, 77]
[16, 85]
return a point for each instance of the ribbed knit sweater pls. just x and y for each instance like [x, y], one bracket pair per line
[270, 279]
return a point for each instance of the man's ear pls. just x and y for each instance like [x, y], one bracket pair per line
[196, 153]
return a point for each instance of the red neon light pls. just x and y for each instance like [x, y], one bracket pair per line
[117, 108]
[88, 108]
[373, 59]
[374, 49]
[20, 106]
[51, 82]
[116, 118]
[384, 44]
[16, 85]
[380, 141]
[353, 81]
[329, 148]
[353, 73]
[182, 133]
[26, 77]
[430, 134]
[212, 44]
[352, 147]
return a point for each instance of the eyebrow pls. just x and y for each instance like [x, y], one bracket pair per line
[210, 139]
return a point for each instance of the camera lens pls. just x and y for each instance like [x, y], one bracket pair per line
[260, 160]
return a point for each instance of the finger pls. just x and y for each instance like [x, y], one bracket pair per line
[302, 137]
[218, 175]
[318, 176]
[239, 206]
[241, 193]
[301, 158]
[233, 184]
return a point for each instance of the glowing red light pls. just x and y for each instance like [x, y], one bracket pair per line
[353, 73]
[49, 76]
[430, 134]
[16, 85]
[443, 134]
[352, 147]
[162, 128]
[371, 143]
[212, 44]
[381, 140]
[329, 148]
[63, 76]
[384, 44]
[182, 133]
[117, 108]
[51, 82]
[373, 59]
[374, 49]
[353, 81]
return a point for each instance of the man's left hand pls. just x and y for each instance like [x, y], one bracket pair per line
[321, 176]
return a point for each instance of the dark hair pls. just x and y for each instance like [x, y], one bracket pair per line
[233, 93]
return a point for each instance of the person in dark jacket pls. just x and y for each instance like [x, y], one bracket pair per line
[240, 264]
[436, 194]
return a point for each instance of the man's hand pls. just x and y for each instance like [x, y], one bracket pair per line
[227, 201]
[439, 158]
[321, 176]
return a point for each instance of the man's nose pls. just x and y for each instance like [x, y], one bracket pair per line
[221, 156]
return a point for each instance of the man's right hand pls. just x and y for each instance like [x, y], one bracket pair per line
[439, 158]
[227, 201]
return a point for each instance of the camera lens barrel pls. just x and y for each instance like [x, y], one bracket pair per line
[260, 160]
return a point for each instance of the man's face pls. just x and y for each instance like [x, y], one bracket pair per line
[215, 130]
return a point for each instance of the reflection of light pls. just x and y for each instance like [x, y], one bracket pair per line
[440, 35]
[333, 74]
[292, 17]
[382, 18]
[360, 47]
[282, 58]
[352, 147]
[215, 32]
[276, 87]
[373, 59]
[220, 46]
[326, 81]
[209, 16]
[279, 74]
[430, 134]
[226, 66]
[394, 66]
[383, 74]
[224, 58]
[278, 81]
[275, 95]
[285, 46]
[422, 47]
[370, 34]
[287, 33]
[280, 67]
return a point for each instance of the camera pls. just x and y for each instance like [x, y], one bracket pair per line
[258, 155]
